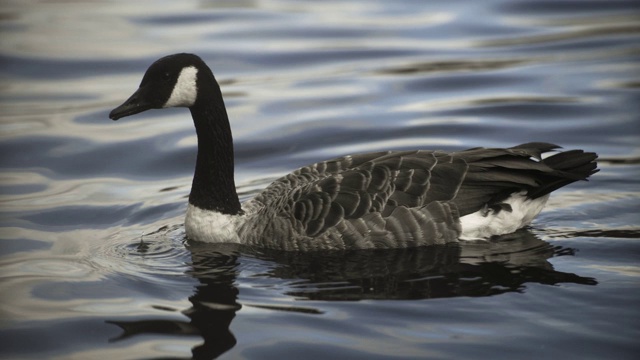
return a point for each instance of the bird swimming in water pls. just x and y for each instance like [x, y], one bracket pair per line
[390, 199]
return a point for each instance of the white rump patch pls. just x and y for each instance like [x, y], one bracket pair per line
[485, 223]
[185, 90]
[211, 226]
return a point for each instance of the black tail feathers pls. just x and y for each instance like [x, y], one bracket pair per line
[569, 166]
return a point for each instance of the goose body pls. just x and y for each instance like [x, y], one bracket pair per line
[387, 199]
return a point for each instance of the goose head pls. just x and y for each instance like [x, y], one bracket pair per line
[171, 81]
[184, 80]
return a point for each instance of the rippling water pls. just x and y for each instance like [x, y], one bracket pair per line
[93, 258]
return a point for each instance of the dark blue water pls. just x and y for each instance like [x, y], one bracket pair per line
[92, 253]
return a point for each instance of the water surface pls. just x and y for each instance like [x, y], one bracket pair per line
[92, 252]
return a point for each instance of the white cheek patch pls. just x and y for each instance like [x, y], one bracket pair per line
[185, 91]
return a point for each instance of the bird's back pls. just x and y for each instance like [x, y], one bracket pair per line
[401, 198]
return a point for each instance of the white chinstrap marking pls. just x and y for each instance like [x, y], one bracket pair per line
[211, 226]
[185, 91]
[481, 225]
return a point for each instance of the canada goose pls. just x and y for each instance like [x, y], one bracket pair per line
[389, 199]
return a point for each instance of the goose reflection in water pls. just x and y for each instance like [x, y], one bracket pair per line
[482, 268]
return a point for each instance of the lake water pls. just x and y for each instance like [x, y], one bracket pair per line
[93, 261]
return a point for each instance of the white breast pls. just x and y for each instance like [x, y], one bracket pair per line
[211, 226]
[486, 223]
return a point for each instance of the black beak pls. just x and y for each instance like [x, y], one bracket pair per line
[134, 105]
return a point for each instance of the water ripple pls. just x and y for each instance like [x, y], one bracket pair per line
[154, 257]
[92, 210]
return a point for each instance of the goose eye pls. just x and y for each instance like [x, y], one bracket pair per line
[166, 76]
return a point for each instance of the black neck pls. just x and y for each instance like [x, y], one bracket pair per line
[213, 185]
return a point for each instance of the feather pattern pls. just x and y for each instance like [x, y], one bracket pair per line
[401, 198]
